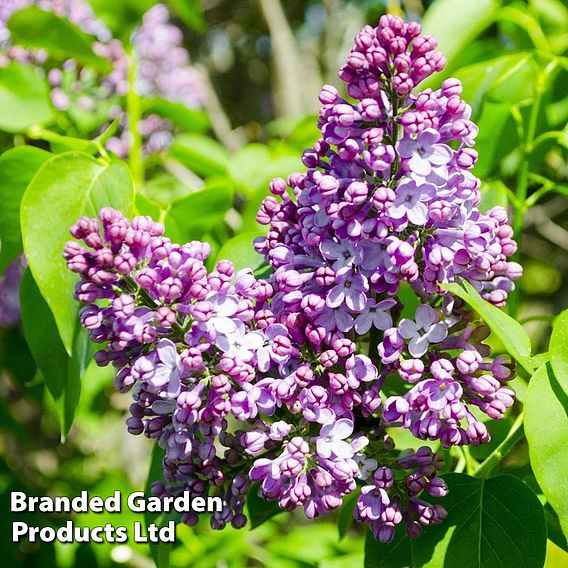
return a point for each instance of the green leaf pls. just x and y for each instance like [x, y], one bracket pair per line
[185, 118]
[62, 373]
[510, 332]
[444, 17]
[546, 428]
[516, 84]
[240, 251]
[559, 349]
[200, 154]
[497, 138]
[491, 522]
[478, 78]
[121, 17]
[35, 28]
[345, 517]
[190, 12]
[17, 167]
[24, 98]
[160, 551]
[493, 193]
[254, 165]
[197, 213]
[66, 187]
[555, 533]
[395, 554]
[259, 510]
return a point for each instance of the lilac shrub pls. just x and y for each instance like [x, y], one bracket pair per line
[163, 65]
[281, 382]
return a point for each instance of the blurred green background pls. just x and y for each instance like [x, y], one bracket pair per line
[264, 62]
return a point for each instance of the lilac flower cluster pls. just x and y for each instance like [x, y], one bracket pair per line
[243, 380]
[224, 387]
[90, 100]
[389, 200]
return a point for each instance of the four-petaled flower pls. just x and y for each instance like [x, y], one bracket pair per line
[424, 152]
[331, 441]
[350, 289]
[411, 198]
[343, 253]
[422, 331]
[167, 372]
[375, 314]
[241, 344]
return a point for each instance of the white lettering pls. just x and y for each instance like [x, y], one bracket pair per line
[18, 501]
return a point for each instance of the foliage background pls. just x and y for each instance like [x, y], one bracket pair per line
[265, 61]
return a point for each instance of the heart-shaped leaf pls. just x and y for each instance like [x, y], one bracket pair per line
[66, 187]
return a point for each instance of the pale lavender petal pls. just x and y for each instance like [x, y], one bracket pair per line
[419, 165]
[407, 147]
[343, 320]
[428, 137]
[397, 211]
[331, 249]
[342, 449]
[382, 320]
[342, 429]
[363, 323]
[323, 448]
[161, 375]
[418, 346]
[263, 359]
[418, 215]
[407, 328]
[167, 352]
[355, 300]
[335, 297]
[174, 385]
[253, 340]
[438, 333]
[425, 316]
[441, 155]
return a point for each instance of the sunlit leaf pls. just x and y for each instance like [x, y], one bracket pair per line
[240, 251]
[559, 349]
[24, 98]
[66, 187]
[510, 332]
[444, 17]
[491, 522]
[193, 216]
[35, 28]
[546, 427]
[200, 154]
[17, 167]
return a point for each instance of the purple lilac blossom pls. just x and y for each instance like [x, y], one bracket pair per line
[164, 71]
[273, 386]
[389, 200]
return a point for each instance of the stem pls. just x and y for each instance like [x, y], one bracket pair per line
[471, 464]
[514, 435]
[527, 146]
[134, 111]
